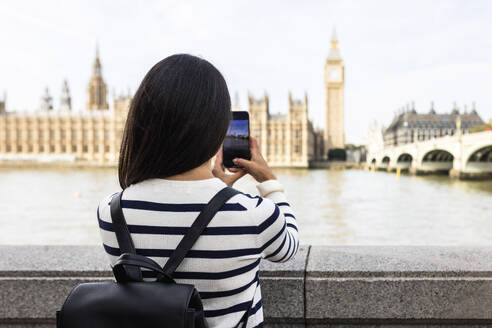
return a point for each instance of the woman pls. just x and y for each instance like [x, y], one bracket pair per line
[176, 123]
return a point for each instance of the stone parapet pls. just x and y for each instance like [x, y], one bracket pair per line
[399, 286]
[323, 286]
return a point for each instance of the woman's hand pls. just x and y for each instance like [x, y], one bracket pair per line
[219, 171]
[257, 166]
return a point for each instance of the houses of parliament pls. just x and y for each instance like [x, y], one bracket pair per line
[92, 136]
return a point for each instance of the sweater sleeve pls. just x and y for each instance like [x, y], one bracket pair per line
[277, 237]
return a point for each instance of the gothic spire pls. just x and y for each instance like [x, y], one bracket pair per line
[97, 63]
[3, 103]
[65, 99]
[334, 38]
[455, 110]
[432, 110]
[334, 50]
[96, 92]
[46, 100]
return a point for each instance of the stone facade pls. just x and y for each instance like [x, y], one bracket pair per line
[410, 126]
[92, 136]
[334, 83]
[285, 140]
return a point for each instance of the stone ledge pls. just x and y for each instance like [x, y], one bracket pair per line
[399, 298]
[35, 280]
[36, 298]
[323, 286]
[53, 261]
[398, 286]
[399, 261]
[91, 261]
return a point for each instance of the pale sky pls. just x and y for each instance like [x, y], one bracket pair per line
[395, 52]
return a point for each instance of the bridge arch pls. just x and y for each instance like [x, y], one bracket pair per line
[385, 161]
[437, 160]
[480, 160]
[404, 161]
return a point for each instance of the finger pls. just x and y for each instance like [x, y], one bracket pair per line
[233, 169]
[218, 173]
[244, 163]
[255, 149]
[254, 144]
[238, 175]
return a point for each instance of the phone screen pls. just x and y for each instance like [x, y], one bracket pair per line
[236, 143]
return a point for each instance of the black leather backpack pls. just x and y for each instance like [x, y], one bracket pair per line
[130, 302]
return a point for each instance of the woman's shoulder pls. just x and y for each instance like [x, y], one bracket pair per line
[249, 207]
[103, 208]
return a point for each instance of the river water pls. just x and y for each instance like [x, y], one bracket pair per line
[351, 207]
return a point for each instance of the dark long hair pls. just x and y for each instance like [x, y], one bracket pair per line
[177, 120]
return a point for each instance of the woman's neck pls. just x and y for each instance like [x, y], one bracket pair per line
[202, 172]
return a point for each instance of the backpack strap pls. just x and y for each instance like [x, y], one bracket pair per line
[245, 317]
[196, 229]
[123, 236]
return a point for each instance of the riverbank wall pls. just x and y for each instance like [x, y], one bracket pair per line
[453, 174]
[54, 165]
[335, 165]
[95, 165]
[324, 286]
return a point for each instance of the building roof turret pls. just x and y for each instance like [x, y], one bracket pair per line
[96, 67]
[474, 110]
[96, 91]
[432, 110]
[455, 110]
[65, 99]
[46, 100]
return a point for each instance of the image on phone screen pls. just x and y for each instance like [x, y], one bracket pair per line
[236, 143]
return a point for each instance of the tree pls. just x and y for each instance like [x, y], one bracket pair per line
[337, 154]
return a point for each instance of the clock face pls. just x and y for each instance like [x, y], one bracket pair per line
[334, 74]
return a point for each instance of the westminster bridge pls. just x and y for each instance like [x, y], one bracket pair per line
[462, 155]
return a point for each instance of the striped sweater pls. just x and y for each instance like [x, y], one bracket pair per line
[223, 264]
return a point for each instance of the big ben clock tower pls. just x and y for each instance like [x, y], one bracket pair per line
[334, 82]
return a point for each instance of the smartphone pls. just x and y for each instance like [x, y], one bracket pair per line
[236, 143]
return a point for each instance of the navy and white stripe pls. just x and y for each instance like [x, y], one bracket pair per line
[223, 264]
